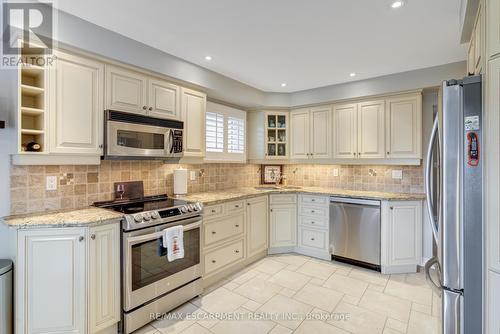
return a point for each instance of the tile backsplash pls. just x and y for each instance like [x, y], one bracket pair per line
[81, 185]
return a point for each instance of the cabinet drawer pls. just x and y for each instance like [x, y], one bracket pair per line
[223, 256]
[224, 228]
[312, 199]
[283, 199]
[313, 211]
[233, 206]
[316, 239]
[318, 222]
[212, 210]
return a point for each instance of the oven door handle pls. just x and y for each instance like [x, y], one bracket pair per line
[152, 236]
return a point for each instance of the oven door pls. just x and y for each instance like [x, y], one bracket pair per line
[138, 140]
[147, 272]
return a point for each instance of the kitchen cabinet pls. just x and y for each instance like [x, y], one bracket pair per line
[345, 131]
[76, 106]
[313, 226]
[193, 106]
[276, 132]
[404, 127]
[311, 133]
[283, 223]
[401, 236]
[359, 130]
[493, 302]
[257, 225]
[126, 90]
[493, 28]
[51, 286]
[371, 130]
[141, 94]
[471, 53]
[67, 279]
[104, 277]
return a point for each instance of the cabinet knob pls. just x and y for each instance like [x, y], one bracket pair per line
[388, 153]
[312, 239]
[354, 153]
[312, 211]
[92, 237]
[392, 208]
[271, 210]
[213, 261]
[248, 203]
[313, 200]
[101, 146]
[236, 206]
[236, 251]
[144, 107]
[213, 211]
[313, 222]
[237, 225]
[213, 232]
[81, 238]
[150, 109]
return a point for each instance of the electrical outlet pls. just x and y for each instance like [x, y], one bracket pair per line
[192, 175]
[397, 174]
[335, 172]
[51, 183]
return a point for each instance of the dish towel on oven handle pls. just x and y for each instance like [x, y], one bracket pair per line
[173, 241]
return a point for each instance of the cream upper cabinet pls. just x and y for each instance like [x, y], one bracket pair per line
[104, 277]
[51, 285]
[126, 90]
[164, 99]
[193, 106]
[283, 221]
[493, 27]
[299, 130]
[371, 130]
[401, 236]
[345, 131]
[257, 225]
[76, 105]
[404, 127]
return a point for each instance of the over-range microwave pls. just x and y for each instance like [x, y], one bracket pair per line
[130, 136]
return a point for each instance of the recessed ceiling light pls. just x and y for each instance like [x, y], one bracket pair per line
[397, 4]
[208, 58]
[352, 74]
[283, 84]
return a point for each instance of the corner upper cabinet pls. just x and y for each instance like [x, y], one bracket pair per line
[404, 127]
[126, 90]
[164, 99]
[371, 130]
[193, 106]
[345, 131]
[76, 105]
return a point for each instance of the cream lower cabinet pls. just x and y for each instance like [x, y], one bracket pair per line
[282, 223]
[493, 302]
[193, 105]
[257, 225]
[67, 282]
[311, 133]
[401, 236]
[76, 105]
[313, 226]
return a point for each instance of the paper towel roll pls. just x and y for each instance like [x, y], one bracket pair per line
[180, 181]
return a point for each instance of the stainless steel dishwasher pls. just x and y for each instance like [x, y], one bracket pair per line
[355, 231]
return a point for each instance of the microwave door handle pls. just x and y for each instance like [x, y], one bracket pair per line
[171, 139]
[428, 179]
[166, 139]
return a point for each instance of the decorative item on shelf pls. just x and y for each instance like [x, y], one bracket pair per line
[271, 122]
[271, 174]
[281, 150]
[33, 147]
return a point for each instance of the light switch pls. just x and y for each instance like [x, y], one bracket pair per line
[335, 172]
[51, 183]
[397, 174]
[192, 175]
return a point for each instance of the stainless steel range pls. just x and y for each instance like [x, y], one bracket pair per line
[150, 283]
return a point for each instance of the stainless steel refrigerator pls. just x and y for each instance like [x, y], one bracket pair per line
[456, 271]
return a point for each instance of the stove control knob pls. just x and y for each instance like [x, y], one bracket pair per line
[191, 208]
[198, 206]
[155, 215]
[138, 218]
[146, 216]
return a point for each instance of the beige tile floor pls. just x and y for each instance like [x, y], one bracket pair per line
[292, 293]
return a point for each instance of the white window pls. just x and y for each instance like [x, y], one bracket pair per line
[225, 133]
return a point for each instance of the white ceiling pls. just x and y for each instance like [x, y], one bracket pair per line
[305, 43]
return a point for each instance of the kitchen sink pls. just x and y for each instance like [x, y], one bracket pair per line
[277, 187]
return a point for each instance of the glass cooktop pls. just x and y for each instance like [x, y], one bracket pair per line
[143, 204]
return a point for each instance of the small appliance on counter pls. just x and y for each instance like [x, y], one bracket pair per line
[180, 181]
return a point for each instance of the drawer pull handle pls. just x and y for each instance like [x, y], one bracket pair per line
[213, 261]
[312, 239]
[213, 232]
[313, 200]
[213, 211]
[312, 211]
[237, 225]
[236, 251]
[312, 222]
[236, 206]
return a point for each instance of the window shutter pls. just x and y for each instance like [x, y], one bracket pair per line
[235, 135]
[214, 132]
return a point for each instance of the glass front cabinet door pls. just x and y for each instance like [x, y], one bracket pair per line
[276, 131]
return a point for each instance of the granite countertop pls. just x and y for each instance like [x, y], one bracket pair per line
[215, 197]
[62, 218]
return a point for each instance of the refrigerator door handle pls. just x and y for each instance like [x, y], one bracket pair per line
[428, 179]
[436, 286]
